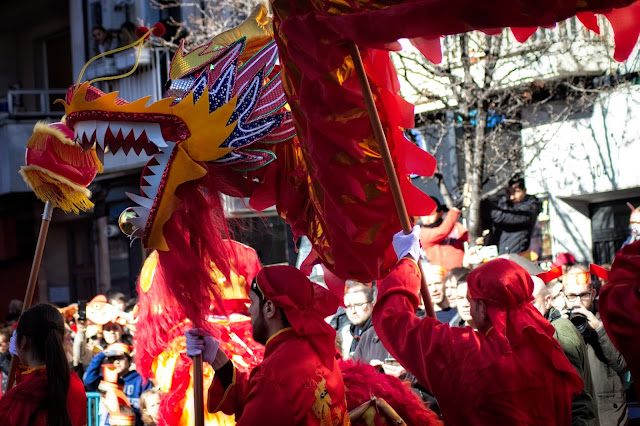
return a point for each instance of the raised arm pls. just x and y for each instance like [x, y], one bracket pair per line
[431, 236]
[423, 346]
[518, 214]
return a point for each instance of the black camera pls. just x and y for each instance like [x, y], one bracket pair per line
[82, 310]
[579, 320]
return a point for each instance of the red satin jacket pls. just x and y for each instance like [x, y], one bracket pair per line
[20, 403]
[290, 387]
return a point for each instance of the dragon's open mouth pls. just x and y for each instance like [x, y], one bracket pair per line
[113, 132]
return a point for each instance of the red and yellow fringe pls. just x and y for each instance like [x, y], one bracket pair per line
[66, 149]
[61, 192]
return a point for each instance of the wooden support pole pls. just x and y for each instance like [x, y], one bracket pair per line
[394, 184]
[33, 278]
[198, 391]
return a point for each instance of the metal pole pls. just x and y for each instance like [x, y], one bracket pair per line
[394, 184]
[33, 278]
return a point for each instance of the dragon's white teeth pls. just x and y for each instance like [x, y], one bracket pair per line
[126, 128]
[115, 127]
[141, 211]
[157, 170]
[143, 201]
[149, 191]
[143, 215]
[101, 129]
[138, 128]
[163, 156]
[154, 134]
[90, 129]
[82, 129]
[153, 181]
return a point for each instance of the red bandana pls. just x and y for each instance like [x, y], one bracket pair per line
[304, 303]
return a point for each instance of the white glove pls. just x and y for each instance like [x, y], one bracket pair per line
[200, 343]
[12, 344]
[407, 244]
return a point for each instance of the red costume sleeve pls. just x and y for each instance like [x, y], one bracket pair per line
[473, 375]
[432, 236]
[402, 332]
[249, 398]
[619, 306]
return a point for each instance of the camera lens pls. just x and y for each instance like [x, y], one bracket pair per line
[579, 321]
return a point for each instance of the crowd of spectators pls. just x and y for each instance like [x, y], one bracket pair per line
[569, 302]
[99, 338]
[100, 332]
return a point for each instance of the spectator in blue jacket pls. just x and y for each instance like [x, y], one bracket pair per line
[118, 354]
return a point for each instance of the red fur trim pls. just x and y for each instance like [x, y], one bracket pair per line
[361, 381]
[172, 403]
[195, 236]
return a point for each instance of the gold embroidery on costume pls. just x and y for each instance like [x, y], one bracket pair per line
[322, 405]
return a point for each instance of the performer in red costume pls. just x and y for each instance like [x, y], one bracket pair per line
[47, 394]
[509, 372]
[619, 305]
[299, 382]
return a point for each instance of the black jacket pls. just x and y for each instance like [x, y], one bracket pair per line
[511, 225]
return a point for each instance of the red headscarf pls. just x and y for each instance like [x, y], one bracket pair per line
[619, 306]
[304, 303]
[507, 289]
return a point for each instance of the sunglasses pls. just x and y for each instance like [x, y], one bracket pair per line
[112, 359]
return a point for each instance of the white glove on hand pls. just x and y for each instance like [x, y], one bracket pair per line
[407, 244]
[198, 342]
[12, 344]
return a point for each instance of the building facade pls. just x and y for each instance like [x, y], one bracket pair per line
[581, 164]
[44, 46]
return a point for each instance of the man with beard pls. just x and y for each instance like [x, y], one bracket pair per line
[443, 239]
[583, 408]
[607, 364]
[299, 381]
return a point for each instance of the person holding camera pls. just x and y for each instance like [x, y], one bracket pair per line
[607, 365]
[583, 406]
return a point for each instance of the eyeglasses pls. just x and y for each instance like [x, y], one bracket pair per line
[585, 297]
[356, 305]
[113, 359]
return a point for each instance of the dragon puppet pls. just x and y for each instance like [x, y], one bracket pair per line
[226, 127]
[273, 112]
[296, 134]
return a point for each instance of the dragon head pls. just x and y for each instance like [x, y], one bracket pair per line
[226, 106]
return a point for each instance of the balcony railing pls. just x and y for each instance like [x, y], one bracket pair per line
[148, 80]
[34, 103]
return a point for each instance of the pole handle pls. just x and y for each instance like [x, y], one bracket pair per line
[198, 390]
[33, 278]
[394, 184]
